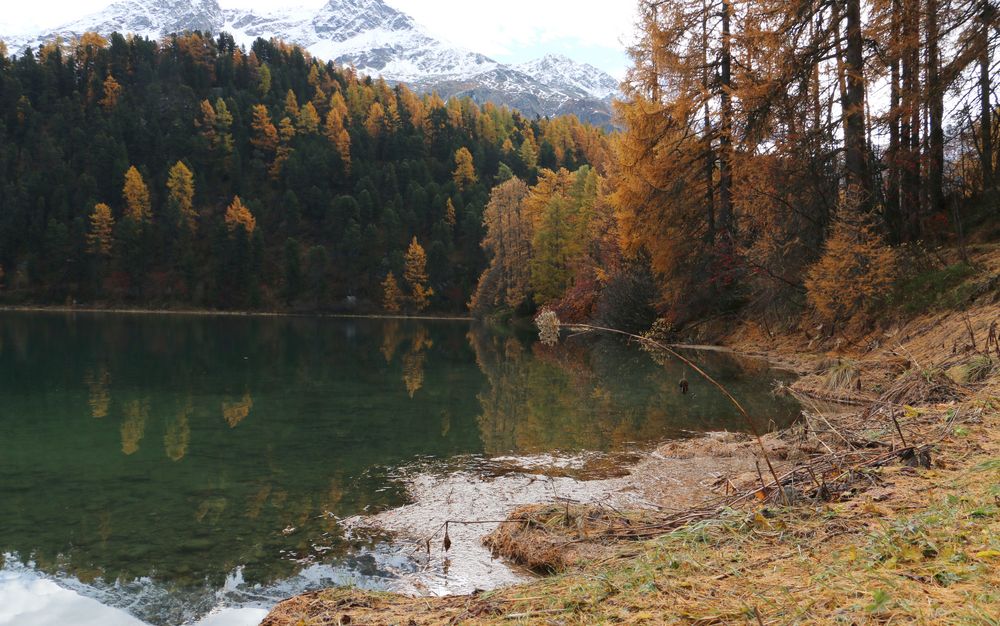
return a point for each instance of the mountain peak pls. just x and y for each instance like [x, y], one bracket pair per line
[376, 39]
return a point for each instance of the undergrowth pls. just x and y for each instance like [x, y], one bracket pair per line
[935, 289]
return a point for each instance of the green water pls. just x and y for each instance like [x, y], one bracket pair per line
[177, 450]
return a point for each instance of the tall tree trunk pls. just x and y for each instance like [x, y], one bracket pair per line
[986, 108]
[726, 221]
[709, 153]
[909, 132]
[892, 212]
[855, 146]
[935, 109]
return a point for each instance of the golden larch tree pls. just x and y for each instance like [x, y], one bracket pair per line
[336, 134]
[415, 275]
[100, 237]
[449, 213]
[392, 296]
[205, 122]
[857, 269]
[286, 131]
[136, 194]
[239, 216]
[112, 91]
[180, 196]
[465, 170]
[308, 120]
[375, 121]
[508, 244]
[265, 135]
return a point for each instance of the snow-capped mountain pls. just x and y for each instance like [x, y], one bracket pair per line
[148, 18]
[375, 38]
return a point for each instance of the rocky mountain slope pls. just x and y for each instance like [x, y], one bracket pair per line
[375, 38]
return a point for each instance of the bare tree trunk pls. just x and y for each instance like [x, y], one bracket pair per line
[855, 145]
[986, 109]
[709, 153]
[910, 126]
[892, 210]
[726, 221]
[935, 106]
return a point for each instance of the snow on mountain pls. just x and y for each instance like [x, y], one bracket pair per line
[561, 72]
[147, 18]
[377, 40]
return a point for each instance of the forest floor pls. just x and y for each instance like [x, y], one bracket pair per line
[888, 511]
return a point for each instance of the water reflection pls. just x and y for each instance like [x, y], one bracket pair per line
[316, 414]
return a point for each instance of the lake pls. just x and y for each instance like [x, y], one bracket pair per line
[169, 465]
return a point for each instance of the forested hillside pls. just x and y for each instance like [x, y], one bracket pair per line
[810, 155]
[192, 172]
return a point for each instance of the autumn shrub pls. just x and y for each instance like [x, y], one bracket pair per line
[855, 272]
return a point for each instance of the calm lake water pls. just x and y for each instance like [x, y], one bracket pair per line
[168, 465]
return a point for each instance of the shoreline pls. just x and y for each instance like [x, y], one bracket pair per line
[563, 539]
[15, 308]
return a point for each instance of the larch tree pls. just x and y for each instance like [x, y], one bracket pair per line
[336, 134]
[263, 80]
[100, 237]
[136, 195]
[112, 91]
[238, 216]
[308, 119]
[286, 131]
[265, 134]
[392, 296]
[291, 105]
[465, 170]
[375, 122]
[180, 196]
[415, 275]
[529, 153]
[856, 271]
[223, 128]
[507, 243]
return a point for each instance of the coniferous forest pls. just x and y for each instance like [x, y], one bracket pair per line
[192, 172]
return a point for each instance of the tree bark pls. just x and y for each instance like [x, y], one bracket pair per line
[709, 153]
[726, 221]
[856, 149]
[935, 105]
[986, 108]
[892, 209]
[909, 132]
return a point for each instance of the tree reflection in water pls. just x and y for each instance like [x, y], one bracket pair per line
[317, 414]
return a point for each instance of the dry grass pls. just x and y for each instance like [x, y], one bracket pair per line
[908, 544]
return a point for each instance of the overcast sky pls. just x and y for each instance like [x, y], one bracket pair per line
[593, 31]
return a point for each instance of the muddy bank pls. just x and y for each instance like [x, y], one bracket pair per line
[674, 476]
